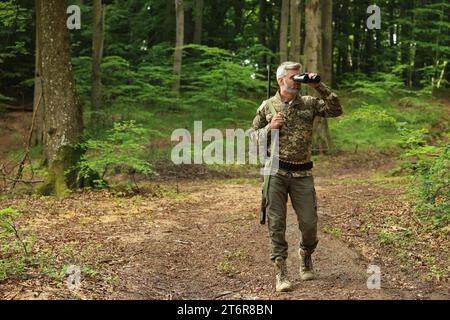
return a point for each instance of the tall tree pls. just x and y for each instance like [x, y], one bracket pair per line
[313, 40]
[262, 28]
[405, 35]
[216, 26]
[38, 104]
[295, 31]
[198, 21]
[98, 35]
[238, 21]
[273, 24]
[313, 59]
[284, 18]
[358, 34]
[327, 40]
[179, 11]
[63, 111]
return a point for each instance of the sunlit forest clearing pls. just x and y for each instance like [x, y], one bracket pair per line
[115, 83]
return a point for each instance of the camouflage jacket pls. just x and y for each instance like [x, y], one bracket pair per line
[295, 137]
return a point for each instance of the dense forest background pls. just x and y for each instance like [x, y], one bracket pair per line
[412, 42]
[88, 107]
[116, 78]
[227, 44]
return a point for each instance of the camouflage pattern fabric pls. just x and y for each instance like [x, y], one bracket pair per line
[295, 137]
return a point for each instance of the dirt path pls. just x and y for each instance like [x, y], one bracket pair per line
[204, 242]
[221, 251]
[214, 248]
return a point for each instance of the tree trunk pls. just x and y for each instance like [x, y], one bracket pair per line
[413, 50]
[313, 57]
[63, 111]
[262, 30]
[313, 40]
[327, 40]
[273, 30]
[37, 138]
[217, 33]
[198, 18]
[294, 52]
[391, 8]
[323, 139]
[369, 60]
[284, 18]
[338, 28]
[357, 43]
[438, 49]
[97, 54]
[405, 41]
[179, 11]
[345, 30]
[238, 20]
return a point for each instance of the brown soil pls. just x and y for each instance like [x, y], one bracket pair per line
[14, 128]
[194, 234]
[205, 242]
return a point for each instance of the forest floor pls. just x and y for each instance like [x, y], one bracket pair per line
[198, 237]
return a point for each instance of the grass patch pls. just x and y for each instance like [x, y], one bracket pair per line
[239, 181]
[334, 231]
[228, 266]
[19, 258]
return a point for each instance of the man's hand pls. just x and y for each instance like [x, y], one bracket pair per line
[311, 84]
[277, 121]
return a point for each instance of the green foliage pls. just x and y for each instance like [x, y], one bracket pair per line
[381, 114]
[13, 19]
[124, 85]
[121, 150]
[212, 78]
[5, 98]
[370, 126]
[7, 217]
[124, 89]
[16, 60]
[337, 232]
[215, 85]
[432, 186]
[428, 167]
[216, 80]
[8, 226]
[252, 56]
[412, 140]
[386, 237]
[378, 87]
[432, 41]
[14, 250]
[17, 256]
[82, 70]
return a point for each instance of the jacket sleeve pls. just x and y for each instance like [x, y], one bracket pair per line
[260, 126]
[327, 106]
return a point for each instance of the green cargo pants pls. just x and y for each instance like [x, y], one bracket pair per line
[303, 197]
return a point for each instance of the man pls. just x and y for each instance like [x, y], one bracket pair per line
[294, 120]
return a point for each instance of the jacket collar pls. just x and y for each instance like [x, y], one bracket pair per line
[297, 99]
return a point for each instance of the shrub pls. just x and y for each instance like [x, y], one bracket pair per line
[433, 183]
[429, 168]
[368, 127]
[121, 150]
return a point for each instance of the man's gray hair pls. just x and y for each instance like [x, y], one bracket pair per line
[288, 65]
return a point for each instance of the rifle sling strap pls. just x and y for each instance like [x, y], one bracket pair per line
[272, 152]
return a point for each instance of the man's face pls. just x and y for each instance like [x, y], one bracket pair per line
[287, 83]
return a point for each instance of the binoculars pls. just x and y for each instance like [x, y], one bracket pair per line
[305, 78]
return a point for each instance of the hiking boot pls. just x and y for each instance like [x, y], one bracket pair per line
[282, 282]
[306, 265]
